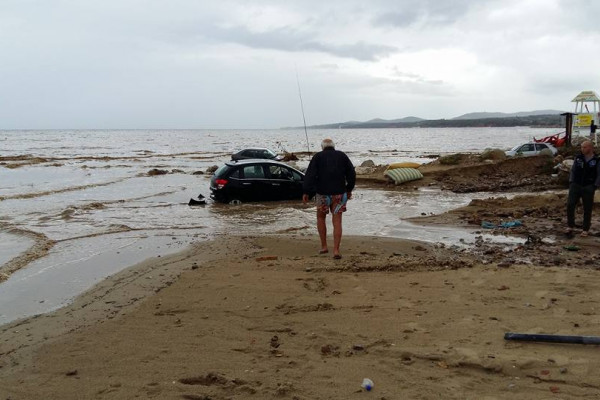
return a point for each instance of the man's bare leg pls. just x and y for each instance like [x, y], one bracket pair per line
[337, 233]
[322, 228]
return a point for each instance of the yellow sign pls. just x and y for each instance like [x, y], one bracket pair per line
[583, 120]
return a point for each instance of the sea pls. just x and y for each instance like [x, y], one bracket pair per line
[77, 206]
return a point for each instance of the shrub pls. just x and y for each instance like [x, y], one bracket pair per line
[493, 154]
[451, 159]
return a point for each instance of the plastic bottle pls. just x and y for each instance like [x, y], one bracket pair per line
[367, 384]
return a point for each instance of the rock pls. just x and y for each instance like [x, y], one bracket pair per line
[155, 171]
[364, 170]
[367, 163]
[557, 260]
[275, 342]
[198, 173]
[330, 350]
[211, 170]
[266, 258]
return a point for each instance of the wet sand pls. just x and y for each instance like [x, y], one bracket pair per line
[266, 317]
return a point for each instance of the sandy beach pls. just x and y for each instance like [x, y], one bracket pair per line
[267, 317]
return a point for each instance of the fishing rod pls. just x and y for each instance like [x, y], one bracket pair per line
[302, 108]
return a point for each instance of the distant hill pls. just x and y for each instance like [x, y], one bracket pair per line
[480, 115]
[373, 123]
[392, 121]
[539, 118]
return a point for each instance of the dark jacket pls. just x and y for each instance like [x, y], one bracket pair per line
[585, 172]
[330, 172]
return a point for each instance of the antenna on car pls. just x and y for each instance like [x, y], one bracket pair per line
[302, 108]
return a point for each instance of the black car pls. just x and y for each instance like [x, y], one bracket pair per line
[255, 153]
[256, 180]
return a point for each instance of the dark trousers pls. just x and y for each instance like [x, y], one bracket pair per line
[586, 194]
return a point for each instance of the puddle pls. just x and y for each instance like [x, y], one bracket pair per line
[72, 267]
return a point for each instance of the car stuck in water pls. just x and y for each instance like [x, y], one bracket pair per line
[256, 180]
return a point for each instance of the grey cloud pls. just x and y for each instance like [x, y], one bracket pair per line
[410, 12]
[292, 40]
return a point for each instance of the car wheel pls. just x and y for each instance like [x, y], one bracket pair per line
[235, 202]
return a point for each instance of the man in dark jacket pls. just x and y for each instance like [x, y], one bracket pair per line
[331, 176]
[583, 181]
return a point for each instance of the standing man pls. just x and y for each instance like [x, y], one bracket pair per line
[331, 176]
[583, 181]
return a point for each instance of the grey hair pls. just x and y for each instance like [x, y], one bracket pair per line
[327, 143]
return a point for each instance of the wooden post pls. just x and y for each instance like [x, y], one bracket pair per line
[568, 127]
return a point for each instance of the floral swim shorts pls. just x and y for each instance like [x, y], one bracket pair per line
[336, 203]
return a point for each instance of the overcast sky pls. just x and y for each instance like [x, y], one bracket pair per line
[233, 64]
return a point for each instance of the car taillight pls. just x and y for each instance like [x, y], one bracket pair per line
[221, 183]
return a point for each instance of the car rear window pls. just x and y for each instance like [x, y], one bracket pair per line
[222, 171]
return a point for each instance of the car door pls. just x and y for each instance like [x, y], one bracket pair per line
[540, 146]
[527, 150]
[280, 182]
[254, 182]
[296, 188]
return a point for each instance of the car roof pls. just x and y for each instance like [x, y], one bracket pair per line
[255, 148]
[255, 161]
[260, 161]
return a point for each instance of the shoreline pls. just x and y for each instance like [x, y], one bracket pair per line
[266, 316]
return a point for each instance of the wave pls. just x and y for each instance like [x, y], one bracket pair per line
[29, 159]
[63, 190]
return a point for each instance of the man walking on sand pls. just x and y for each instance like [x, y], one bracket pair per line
[583, 181]
[331, 176]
